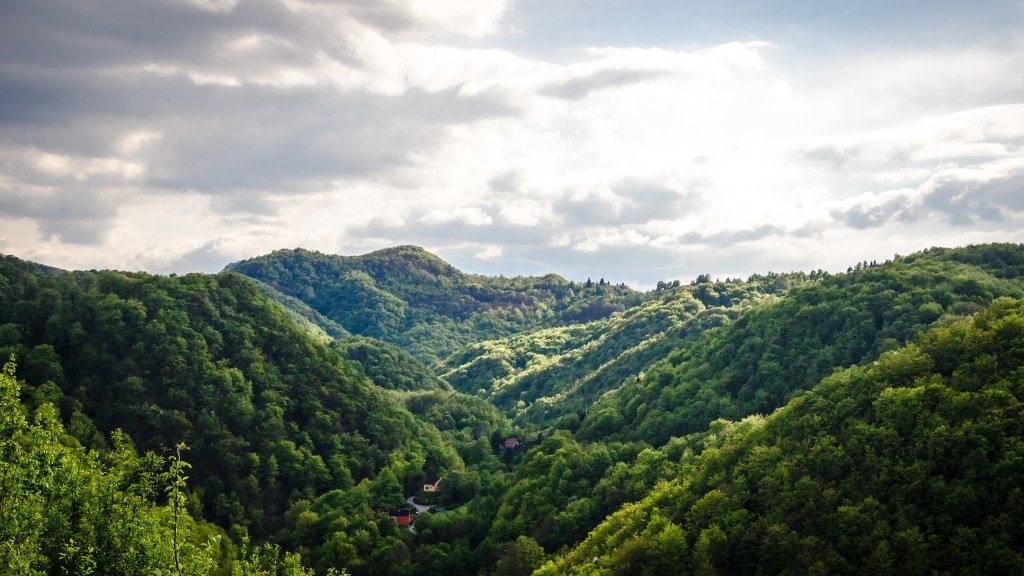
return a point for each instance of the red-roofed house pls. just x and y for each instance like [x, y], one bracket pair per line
[511, 443]
[402, 517]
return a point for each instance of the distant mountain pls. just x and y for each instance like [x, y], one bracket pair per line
[415, 300]
[542, 375]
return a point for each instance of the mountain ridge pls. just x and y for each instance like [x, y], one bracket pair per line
[307, 442]
[409, 297]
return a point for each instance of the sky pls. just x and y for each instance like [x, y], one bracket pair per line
[635, 141]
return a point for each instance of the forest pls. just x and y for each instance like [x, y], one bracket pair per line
[303, 413]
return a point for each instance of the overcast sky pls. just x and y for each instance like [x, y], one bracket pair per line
[631, 140]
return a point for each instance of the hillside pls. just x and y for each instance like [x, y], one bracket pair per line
[268, 413]
[413, 299]
[775, 351]
[659, 449]
[542, 375]
[907, 465]
[387, 365]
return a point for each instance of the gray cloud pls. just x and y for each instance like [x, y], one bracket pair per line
[865, 216]
[731, 238]
[578, 88]
[507, 182]
[72, 216]
[68, 85]
[96, 34]
[271, 139]
[636, 202]
[831, 154]
[960, 203]
[206, 258]
[417, 231]
[220, 137]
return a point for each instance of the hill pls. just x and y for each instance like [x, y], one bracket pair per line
[660, 450]
[268, 412]
[907, 465]
[388, 366]
[542, 375]
[777, 350]
[413, 299]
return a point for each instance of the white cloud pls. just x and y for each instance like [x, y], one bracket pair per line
[594, 240]
[215, 5]
[489, 253]
[525, 213]
[471, 215]
[339, 125]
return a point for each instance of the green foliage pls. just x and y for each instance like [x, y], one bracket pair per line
[411, 298]
[64, 510]
[560, 371]
[270, 414]
[521, 558]
[775, 351]
[318, 326]
[906, 463]
[387, 365]
[910, 465]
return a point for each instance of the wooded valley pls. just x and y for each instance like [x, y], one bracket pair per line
[303, 413]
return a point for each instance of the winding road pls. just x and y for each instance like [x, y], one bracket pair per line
[420, 508]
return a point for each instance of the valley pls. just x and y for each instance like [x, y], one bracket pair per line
[277, 418]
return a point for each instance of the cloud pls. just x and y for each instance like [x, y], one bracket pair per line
[348, 125]
[578, 88]
[215, 5]
[631, 201]
[831, 154]
[469, 215]
[70, 216]
[989, 192]
[489, 253]
[734, 237]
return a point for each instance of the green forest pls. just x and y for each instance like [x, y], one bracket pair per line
[303, 413]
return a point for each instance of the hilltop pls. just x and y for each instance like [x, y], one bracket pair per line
[413, 299]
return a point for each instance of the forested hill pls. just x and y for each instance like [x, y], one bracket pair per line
[908, 465]
[411, 298]
[866, 422]
[269, 414]
[549, 376]
[775, 351]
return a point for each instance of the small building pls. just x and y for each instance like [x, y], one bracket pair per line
[402, 517]
[432, 484]
[511, 443]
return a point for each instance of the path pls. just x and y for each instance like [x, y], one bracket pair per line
[411, 500]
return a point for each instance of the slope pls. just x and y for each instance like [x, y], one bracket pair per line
[775, 351]
[545, 374]
[411, 298]
[388, 366]
[268, 412]
[908, 465]
[314, 323]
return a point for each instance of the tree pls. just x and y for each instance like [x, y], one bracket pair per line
[521, 558]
